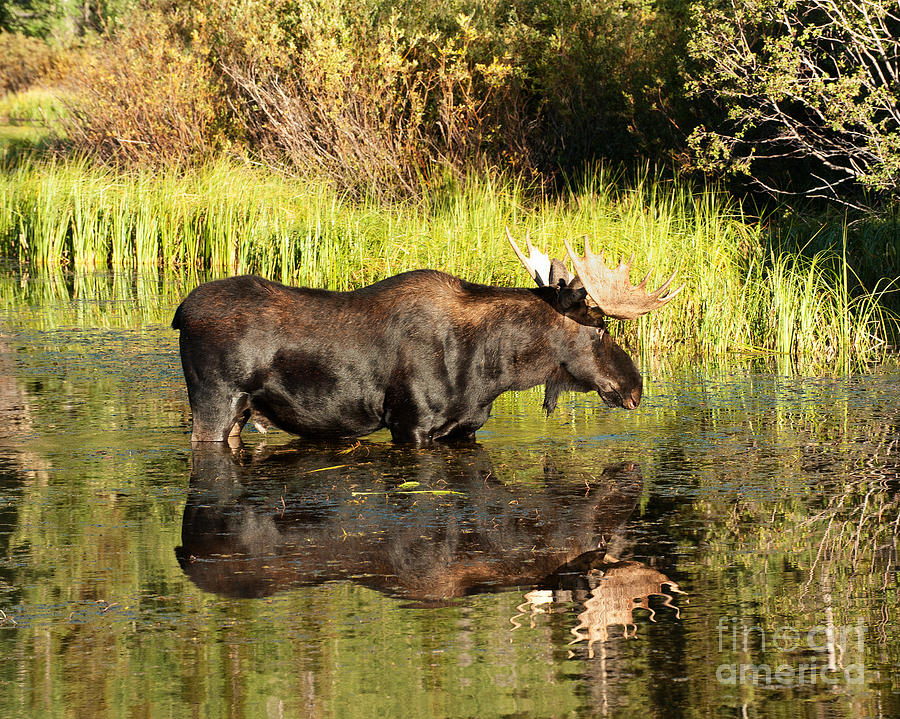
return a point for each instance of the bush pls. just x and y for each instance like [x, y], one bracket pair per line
[62, 21]
[144, 97]
[809, 94]
[606, 76]
[375, 106]
[376, 94]
[25, 61]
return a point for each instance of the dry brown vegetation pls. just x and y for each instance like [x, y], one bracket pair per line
[374, 95]
[142, 97]
[26, 61]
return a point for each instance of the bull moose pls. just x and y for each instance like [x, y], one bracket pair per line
[422, 353]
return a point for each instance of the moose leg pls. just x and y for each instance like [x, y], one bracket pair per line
[239, 425]
[410, 435]
[260, 421]
[461, 435]
[406, 418]
[462, 422]
[218, 413]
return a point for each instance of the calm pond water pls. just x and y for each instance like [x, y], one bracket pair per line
[728, 549]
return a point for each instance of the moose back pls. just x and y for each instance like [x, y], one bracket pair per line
[422, 353]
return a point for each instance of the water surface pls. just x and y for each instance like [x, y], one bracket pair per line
[727, 549]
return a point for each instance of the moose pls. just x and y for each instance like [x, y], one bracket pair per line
[422, 353]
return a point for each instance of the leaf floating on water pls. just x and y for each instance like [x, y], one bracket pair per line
[408, 485]
[428, 491]
[325, 469]
[411, 491]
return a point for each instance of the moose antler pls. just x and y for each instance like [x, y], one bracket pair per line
[611, 289]
[543, 270]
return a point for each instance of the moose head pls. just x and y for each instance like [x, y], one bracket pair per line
[594, 293]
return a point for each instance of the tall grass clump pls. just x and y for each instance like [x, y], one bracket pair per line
[868, 241]
[814, 315]
[741, 295]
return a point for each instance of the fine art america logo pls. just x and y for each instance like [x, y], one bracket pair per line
[823, 649]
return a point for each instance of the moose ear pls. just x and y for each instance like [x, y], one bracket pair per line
[559, 275]
[571, 296]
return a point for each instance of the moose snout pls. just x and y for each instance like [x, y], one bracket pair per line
[621, 396]
[632, 399]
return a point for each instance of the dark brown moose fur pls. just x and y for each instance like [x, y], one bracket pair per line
[422, 353]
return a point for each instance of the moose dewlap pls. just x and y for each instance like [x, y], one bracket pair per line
[422, 353]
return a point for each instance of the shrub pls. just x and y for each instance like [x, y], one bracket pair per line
[25, 61]
[376, 106]
[376, 94]
[143, 96]
[606, 76]
[809, 94]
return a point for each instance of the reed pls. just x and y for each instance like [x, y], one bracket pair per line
[742, 296]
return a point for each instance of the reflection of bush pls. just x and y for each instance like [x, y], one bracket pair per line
[820, 531]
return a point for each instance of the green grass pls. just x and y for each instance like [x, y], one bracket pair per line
[225, 218]
[33, 105]
[28, 121]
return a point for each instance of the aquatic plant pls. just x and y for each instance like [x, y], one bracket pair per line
[742, 295]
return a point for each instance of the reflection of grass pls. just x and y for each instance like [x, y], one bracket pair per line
[58, 299]
[809, 511]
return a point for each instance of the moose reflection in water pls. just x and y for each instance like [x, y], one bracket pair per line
[427, 526]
